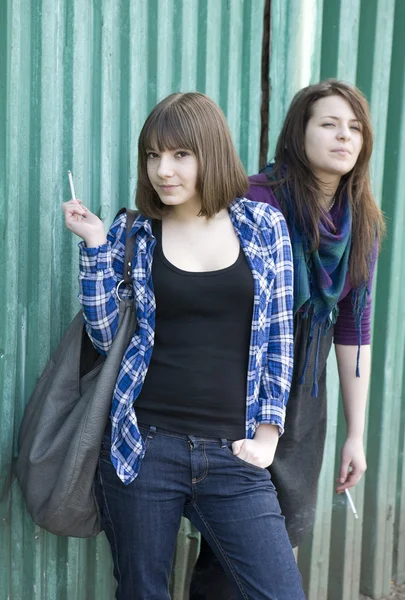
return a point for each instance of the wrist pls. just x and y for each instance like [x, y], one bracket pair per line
[94, 242]
[267, 433]
[355, 435]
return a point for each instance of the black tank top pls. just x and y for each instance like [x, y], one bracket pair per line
[197, 379]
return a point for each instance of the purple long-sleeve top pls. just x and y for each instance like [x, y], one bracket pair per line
[345, 331]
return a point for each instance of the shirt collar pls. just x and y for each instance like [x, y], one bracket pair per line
[237, 210]
[141, 222]
[241, 214]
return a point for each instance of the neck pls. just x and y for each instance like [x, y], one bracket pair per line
[328, 188]
[187, 212]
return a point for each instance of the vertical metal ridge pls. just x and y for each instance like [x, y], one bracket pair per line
[385, 404]
[110, 109]
[214, 29]
[139, 75]
[185, 60]
[348, 39]
[12, 212]
[164, 49]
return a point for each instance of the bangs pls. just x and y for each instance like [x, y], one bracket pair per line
[169, 129]
[192, 122]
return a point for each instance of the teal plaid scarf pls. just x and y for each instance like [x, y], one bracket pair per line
[319, 276]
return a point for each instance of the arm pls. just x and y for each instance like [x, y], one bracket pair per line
[354, 395]
[354, 389]
[101, 263]
[98, 279]
[277, 373]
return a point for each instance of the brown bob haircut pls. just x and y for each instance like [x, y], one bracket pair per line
[367, 219]
[191, 121]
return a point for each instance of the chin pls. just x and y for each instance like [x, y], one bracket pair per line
[170, 201]
[338, 170]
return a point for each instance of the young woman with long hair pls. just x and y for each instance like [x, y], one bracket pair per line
[320, 181]
[199, 402]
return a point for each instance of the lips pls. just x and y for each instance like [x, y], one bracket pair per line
[168, 188]
[342, 151]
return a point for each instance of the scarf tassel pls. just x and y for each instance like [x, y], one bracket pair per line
[307, 352]
[315, 384]
[315, 387]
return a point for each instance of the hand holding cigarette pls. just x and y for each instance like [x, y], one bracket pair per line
[81, 221]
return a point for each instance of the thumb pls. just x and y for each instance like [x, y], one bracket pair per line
[344, 469]
[237, 446]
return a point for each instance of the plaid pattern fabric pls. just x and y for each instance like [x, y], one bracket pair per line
[265, 241]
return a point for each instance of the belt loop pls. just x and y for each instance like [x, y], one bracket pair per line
[151, 432]
[224, 443]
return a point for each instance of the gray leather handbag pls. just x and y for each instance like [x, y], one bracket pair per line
[63, 424]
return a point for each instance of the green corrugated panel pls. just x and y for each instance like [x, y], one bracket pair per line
[77, 80]
[399, 547]
[359, 41]
[388, 359]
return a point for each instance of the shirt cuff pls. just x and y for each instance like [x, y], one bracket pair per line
[273, 415]
[92, 260]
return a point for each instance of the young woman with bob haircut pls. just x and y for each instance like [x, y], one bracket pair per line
[320, 181]
[199, 403]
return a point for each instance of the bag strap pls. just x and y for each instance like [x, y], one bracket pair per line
[129, 245]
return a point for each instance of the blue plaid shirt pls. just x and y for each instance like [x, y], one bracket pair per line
[263, 235]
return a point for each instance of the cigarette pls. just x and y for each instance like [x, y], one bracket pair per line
[356, 516]
[72, 187]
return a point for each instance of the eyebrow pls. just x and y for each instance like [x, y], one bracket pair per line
[337, 118]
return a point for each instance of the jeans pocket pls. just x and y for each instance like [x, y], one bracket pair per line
[244, 463]
[105, 450]
[106, 443]
[147, 436]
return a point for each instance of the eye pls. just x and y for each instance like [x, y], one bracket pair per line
[182, 154]
[355, 127]
[329, 124]
[151, 155]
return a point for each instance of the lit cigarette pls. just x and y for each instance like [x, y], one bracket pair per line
[356, 516]
[72, 187]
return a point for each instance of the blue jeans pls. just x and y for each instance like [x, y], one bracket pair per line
[231, 502]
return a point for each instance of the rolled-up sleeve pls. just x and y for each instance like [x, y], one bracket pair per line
[100, 269]
[345, 330]
[277, 373]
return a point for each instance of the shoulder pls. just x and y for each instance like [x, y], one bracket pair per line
[262, 214]
[119, 225]
[120, 221]
[260, 190]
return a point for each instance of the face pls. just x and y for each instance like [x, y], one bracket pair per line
[173, 175]
[333, 138]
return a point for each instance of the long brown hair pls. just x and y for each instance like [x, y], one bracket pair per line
[191, 121]
[293, 169]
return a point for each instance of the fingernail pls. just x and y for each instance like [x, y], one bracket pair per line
[342, 480]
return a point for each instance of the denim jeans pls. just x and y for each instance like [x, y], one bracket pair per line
[232, 503]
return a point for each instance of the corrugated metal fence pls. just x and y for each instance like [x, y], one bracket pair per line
[77, 79]
[361, 42]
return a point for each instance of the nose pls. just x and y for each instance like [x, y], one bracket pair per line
[344, 132]
[165, 167]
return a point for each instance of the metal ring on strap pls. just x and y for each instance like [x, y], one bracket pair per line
[118, 289]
